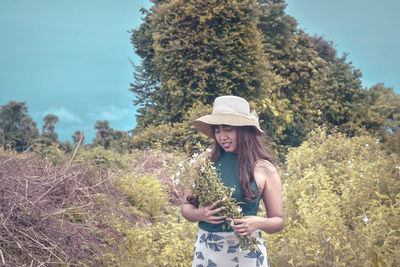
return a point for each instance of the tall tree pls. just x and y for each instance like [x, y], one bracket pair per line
[49, 136]
[380, 115]
[193, 51]
[278, 27]
[50, 121]
[18, 128]
[340, 95]
[199, 49]
[103, 130]
[30, 129]
[313, 78]
[77, 136]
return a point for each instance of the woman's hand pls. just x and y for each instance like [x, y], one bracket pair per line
[245, 226]
[206, 214]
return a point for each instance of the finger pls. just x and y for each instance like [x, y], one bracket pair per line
[215, 211]
[213, 205]
[238, 228]
[218, 218]
[216, 222]
[238, 221]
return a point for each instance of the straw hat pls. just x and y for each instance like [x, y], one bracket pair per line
[228, 110]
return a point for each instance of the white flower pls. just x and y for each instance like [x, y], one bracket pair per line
[195, 155]
[367, 145]
[193, 185]
[339, 199]
[178, 173]
[202, 169]
[192, 161]
[365, 218]
[361, 174]
[212, 167]
[208, 150]
[180, 164]
[172, 177]
[328, 239]
[223, 199]
[239, 209]
[177, 181]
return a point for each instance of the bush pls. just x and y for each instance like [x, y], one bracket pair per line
[342, 200]
[165, 243]
[146, 195]
[100, 157]
[181, 136]
[51, 153]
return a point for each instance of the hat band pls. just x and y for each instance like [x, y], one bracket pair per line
[253, 115]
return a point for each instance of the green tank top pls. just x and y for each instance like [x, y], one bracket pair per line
[228, 168]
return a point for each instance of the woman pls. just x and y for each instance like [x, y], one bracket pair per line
[244, 165]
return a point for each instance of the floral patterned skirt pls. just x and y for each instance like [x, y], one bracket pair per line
[220, 249]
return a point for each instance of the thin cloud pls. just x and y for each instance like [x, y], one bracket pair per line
[63, 114]
[110, 113]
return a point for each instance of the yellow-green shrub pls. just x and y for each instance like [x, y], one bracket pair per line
[165, 243]
[148, 197]
[51, 153]
[341, 204]
[101, 157]
[181, 136]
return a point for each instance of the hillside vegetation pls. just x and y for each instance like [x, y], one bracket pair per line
[106, 208]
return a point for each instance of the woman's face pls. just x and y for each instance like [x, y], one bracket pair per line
[226, 137]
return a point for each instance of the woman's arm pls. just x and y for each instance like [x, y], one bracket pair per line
[268, 181]
[206, 214]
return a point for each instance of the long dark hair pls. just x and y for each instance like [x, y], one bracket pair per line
[249, 150]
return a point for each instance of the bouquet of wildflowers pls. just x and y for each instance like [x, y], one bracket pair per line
[209, 188]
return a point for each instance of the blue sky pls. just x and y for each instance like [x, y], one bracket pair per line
[367, 30]
[71, 58]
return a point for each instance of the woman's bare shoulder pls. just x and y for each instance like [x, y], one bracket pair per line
[266, 167]
[266, 174]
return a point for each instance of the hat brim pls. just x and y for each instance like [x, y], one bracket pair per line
[204, 124]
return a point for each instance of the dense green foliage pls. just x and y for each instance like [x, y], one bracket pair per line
[199, 50]
[17, 129]
[193, 51]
